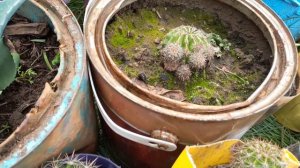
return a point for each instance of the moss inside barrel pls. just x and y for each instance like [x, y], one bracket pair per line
[187, 50]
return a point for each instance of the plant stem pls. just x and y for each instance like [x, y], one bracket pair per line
[47, 61]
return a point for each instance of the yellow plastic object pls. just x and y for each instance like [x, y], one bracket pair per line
[206, 156]
[289, 114]
[290, 159]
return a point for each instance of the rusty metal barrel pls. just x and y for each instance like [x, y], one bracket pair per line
[173, 122]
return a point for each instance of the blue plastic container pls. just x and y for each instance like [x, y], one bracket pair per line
[100, 161]
[289, 12]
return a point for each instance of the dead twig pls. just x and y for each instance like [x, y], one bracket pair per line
[2, 104]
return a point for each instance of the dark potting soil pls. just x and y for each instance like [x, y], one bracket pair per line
[33, 73]
[134, 38]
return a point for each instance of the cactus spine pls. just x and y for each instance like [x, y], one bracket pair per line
[171, 56]
[257, 153]
[184, 73]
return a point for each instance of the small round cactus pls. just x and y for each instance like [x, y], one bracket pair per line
[202, 54]
[184, 73]
[257, 153]
[171, 56]
[187, 37]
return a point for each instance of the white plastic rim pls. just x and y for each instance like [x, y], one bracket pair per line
[147, 141]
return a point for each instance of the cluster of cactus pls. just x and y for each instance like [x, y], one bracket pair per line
[257, 153]
[193, 44]
[201, 55]
[172, 54]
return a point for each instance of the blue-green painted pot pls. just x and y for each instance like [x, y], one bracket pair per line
[63, 119]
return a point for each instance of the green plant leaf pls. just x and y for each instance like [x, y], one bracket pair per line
[8, 66]
[47, 61]
[56, 60]
[39, 40]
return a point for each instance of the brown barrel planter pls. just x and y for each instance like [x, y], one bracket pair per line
[191, 124]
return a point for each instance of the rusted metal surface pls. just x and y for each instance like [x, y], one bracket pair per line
[192, 124]
[135, 155]
[112, 7]
[63, 117]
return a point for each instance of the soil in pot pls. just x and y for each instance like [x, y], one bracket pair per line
[37, 46]
[215, 67]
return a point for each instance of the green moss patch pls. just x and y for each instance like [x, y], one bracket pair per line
[138, 29]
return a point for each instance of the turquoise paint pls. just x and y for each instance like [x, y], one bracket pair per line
[79, 47]
[63, 109]
[51, 150]
[83, 112]
[7, 9]
[34, 13]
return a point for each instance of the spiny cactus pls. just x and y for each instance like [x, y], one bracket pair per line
[71, 162]
[184, 73]
[202, 54]
[187, 37]
[257, 153]
[171, 56]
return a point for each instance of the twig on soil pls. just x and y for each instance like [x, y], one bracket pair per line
[4, 127]
[157, 13]
[34, 50]
[5, 114]
[231, 73]
[2, 104]
[50, 47]
[24, 52]
[54, 70]
[37, 58]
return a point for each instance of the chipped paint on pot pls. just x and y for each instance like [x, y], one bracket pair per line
[64, 114]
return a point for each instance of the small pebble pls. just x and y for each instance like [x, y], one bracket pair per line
[135, 64]
[122, 55]
[142, 76]
[164, 77]
[120, 29]
[130, 34]
[157, 41]
[162, 29]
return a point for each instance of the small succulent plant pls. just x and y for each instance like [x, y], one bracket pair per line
[200, 57]
[72, 161]
[184, 73]
[218, 41]
[187, 37]
[195, 45]
[257, 153]
[171, 56]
